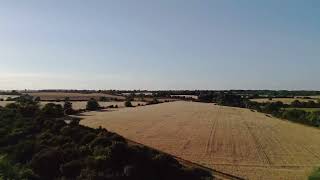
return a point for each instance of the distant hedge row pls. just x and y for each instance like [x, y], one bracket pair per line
[276, 109]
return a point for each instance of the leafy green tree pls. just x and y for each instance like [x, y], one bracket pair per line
[37, 99]
[67, 107]
[25, 106]
[103, 99]
[92, 105]
[47, 162]
[10, 171]
[52, 110]
[314, 118]
[71, 169]
[7, 170]
[128, 104]
[296, 103]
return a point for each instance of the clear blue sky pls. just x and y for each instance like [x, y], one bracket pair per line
[163, 44]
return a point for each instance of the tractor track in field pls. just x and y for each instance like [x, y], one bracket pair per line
[212, 133]
[257, 144]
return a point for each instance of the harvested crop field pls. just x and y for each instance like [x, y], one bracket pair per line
[232, 140]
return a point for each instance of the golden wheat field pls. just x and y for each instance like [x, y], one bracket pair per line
[233, 140]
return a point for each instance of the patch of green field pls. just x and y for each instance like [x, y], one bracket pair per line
[305, 109]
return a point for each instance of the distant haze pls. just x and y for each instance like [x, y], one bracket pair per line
[163, 44]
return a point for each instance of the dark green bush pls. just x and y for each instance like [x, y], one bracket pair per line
[67, 107]
[71, 169]
[92, 105]
[46, 163]
[37, 99]
[52, 110]
[128, 104]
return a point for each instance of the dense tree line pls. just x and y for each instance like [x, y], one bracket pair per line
[34, 144]
[154, 101]
[277, 109]
[307, 104]
[224, 99]
[168, 93]
[246, 93]
[13, 92]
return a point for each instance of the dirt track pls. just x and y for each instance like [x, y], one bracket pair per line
[232, 140]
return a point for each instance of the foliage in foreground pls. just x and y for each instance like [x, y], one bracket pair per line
[35, 145]
[315, 175]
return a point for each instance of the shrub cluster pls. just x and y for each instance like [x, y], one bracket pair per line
[128, 104]
[92, 105]
[154, 101]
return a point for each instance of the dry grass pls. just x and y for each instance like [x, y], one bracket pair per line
[233, 140]
[52, 96]
[284, 100]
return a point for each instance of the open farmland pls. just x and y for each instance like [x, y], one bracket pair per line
[284, 100]
[53, 96]
[232, 140]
